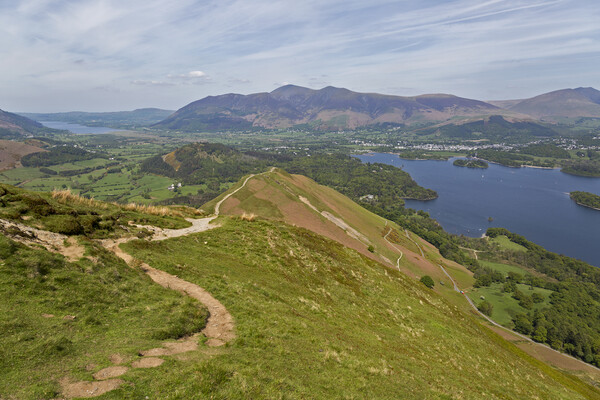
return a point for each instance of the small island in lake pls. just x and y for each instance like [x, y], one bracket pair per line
[470, 163]
[586, 199]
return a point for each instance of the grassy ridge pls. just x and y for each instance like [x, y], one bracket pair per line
[316, 320]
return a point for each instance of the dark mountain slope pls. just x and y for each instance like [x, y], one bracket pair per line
[327, 108]
[13, 126]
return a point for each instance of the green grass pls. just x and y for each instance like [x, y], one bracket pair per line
[504, 268]
[317, 320]
[75, 215]
[505, 243]
[505, 307]
[116, 309]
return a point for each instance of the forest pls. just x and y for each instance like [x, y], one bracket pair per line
[212, 164]
[59, 155]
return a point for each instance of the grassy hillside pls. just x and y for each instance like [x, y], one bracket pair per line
[298, 200]
[67, 320]
[315, 319]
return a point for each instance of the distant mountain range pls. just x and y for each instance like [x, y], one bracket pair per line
[333, 108]
[338, 108]
[119, 119]
[327, 108]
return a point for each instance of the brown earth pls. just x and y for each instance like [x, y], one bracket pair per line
[54, 242]
[89, 389]
[110, 372]
[148, 362]
[12, 152]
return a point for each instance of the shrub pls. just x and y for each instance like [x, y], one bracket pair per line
[486, 307]
[65, 224]
[427, 281]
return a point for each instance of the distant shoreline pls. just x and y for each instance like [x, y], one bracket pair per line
[538, 167]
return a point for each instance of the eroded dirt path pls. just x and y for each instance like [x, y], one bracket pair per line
[219, 328]
[54, 242]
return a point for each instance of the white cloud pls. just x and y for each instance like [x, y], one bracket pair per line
[469, 47]
[196, 74]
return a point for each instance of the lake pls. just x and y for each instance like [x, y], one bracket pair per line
[532, 202]
[78, 129]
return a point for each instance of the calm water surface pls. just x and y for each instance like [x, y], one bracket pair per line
[531, 202]
[76, 128]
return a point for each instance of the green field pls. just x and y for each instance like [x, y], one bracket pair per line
[506, 307]
[504, 268]
[506, 244]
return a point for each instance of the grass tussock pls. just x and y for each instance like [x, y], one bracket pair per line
[67, 197]
[248, 217]
[152, 210]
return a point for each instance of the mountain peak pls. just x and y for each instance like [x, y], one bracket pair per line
[288, 91]
[566, 103]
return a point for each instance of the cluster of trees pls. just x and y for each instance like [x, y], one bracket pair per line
[586, 199]
[501, 157]
[59, 155]
[355, 179]
[557, 266]
[545, 150]
[213, 164]
[583, 167]
[420, 155]
[571, 322]
[495, 127]
[470, 163]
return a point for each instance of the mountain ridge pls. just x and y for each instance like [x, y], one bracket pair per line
[569, 103]
[326, 108]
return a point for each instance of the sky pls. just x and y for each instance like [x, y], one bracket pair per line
[112, 55]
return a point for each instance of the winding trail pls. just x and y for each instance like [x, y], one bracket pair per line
[219, 328]
[416, 244]
[401, 253]
[473, 250]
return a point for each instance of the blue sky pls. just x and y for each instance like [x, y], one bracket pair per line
[108, 55]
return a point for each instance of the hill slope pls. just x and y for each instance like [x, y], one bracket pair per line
[318, 320]
[570, 103]
[299, 201]
[314, 319]
[13, 126]
[327, 108]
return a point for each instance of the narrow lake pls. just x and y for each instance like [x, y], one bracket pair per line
[78, 129]
[532, 202]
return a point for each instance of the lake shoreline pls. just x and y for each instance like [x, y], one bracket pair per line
[531, 202]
